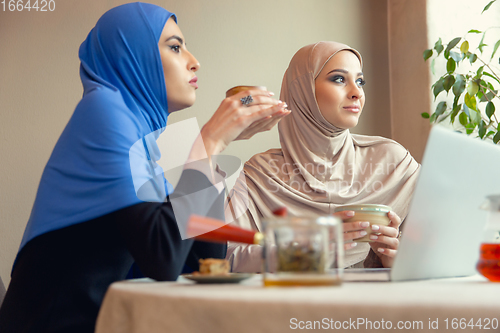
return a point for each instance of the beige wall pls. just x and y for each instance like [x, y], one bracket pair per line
[237, 42]
[408, 74]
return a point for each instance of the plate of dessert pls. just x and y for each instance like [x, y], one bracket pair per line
[216, 271]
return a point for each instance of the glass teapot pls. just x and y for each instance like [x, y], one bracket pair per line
[489, 259]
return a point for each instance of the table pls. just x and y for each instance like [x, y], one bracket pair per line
[425, 306]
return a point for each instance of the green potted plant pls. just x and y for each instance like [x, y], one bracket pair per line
[472, 76]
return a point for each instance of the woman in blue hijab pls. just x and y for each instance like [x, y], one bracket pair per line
[103, 202]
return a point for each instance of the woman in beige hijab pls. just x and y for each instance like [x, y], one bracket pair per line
[321, 165]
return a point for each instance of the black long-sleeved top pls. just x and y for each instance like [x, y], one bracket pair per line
[60, 278]
[2, 291]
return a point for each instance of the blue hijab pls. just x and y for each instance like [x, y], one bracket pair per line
[105, 159]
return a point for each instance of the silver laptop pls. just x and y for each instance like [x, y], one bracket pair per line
[444, 227]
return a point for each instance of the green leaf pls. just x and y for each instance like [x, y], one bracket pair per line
[425, 115]
[482, 129]
[474, 31]
[483, 88]
[480, 96]
[440, 108]
[470, 128]
[463, 119]
[490, 75]
[433, 63]
[453, 43]
[490, 109]
[456, 56]
[427, 54]
[454, 113]
[472, 89]
[488, 6]
[433, 117]
[472, 58]
[495, 48]
[470, 101]
[459, 85]
[467, 111]
[481, 44]
[438, 87]
[488, 96]
[451, 65]
[475, 117]
[439, 46]
[448, 82]
[490, 133]
[455, 102]
[496, 138]
[464, 47]
[479, 73]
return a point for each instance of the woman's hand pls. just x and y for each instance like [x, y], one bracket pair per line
[235, 121]
[386, 240]
[262, 125]
[352, 230]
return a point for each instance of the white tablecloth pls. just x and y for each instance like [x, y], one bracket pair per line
[428, 305]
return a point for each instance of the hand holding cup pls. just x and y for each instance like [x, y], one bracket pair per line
[261, 125]
[238, 119]
[376, 224]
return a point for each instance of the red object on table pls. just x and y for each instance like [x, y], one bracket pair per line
[489, 261]
[213, 230]
[282, 212]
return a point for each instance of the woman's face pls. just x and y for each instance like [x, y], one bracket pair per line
[179, 67]
[339, 90]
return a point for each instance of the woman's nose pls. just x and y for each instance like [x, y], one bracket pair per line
[356, 92]
[193, 63]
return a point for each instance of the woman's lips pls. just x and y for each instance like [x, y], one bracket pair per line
[193, 82]
[353, 108]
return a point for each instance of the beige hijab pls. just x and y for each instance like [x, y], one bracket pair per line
[319, 166]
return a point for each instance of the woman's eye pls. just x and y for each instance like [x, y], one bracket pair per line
[361, 82]
[175, 48]
[337, 79]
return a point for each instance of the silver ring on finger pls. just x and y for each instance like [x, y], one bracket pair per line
[246, 100]
[400, 234]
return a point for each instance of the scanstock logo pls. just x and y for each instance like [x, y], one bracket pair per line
[157, 161]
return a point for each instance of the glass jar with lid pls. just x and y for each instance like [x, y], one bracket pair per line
[303, 251]
[489, 258]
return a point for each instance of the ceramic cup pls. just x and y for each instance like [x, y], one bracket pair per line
[375, 214]
[237, 89]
